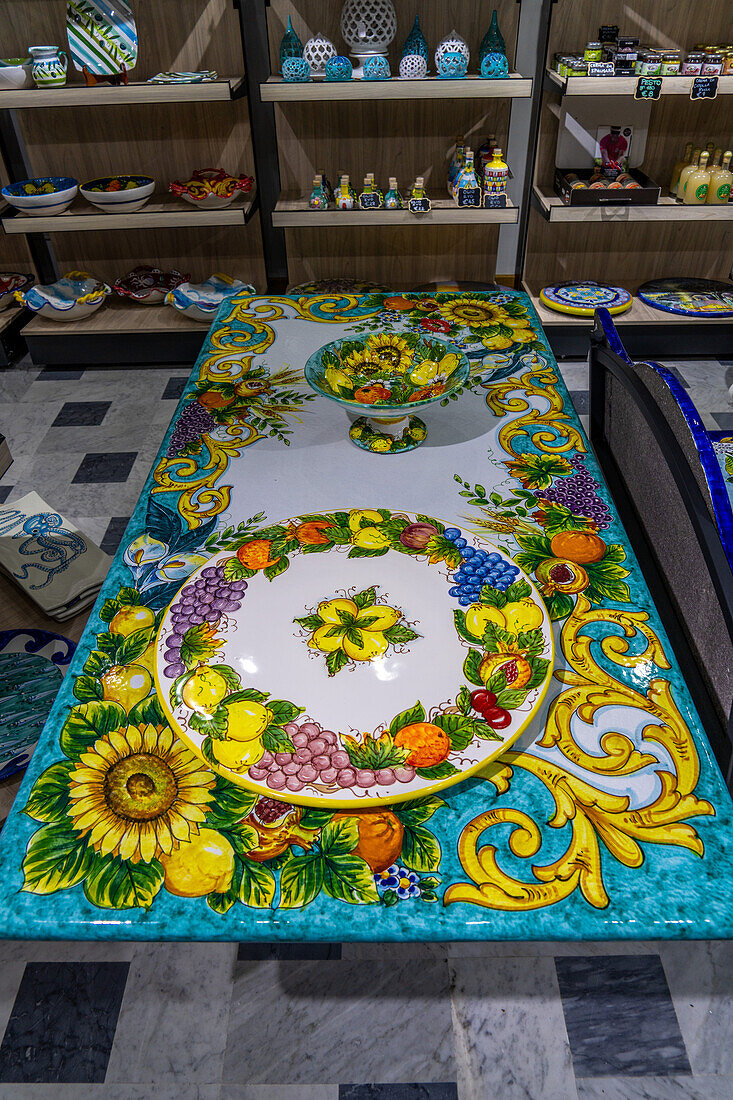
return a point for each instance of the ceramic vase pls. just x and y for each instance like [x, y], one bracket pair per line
[413, 67]
[452, 43]
[317, 51]
[415, 42]
[453, 65]
[368, 27]
[338, 68]
[376, 68]
[493, 40]
[290, 45]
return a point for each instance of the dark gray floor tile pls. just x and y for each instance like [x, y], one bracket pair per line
[254, 952]
[440, 1090]
[723, 419]
[50, 374]
[581, 400]
[5, 491]
[620, 1017]
[63, 1022]
[73, 414]
[174, 389]
[114, 466]
[113, 535]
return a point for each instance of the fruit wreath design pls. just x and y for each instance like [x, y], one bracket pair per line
[128, 813]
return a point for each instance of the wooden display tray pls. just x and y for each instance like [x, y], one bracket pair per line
[554, 210]
[515, 86]
[168, 213]
[78, 95]
[625, 85]
[290, 213]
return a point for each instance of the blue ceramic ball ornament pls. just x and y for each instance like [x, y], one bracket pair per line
[494, 66]
[296, 70]
[452, 65]
[376, 68]
[338, 68]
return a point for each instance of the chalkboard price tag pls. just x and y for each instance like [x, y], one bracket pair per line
[608, 33]
[601, 68]
[494, 202]
[419, 206]
[704, 87]
[469, 196]
[648, 87]
[370, 201]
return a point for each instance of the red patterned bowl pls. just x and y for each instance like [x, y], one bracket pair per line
[148, 285]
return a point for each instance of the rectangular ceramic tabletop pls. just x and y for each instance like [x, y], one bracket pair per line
[608, 818]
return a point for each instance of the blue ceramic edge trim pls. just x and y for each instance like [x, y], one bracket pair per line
[61, 183]
[718, 315]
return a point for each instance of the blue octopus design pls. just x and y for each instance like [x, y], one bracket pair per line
[57, 548]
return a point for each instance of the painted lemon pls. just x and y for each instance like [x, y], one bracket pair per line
[338, 379]
[497, 343]
[204, 690]
[247, 720]
[325, 641]
[356, 515]
[130, 618]
[126, 684]
[331, 610]
[380, 617]
[373, 644]
[425, 373]
[147, 658]
[478, 616]
[522, 616]
[449, 363]
[370, 538]
[237, 755]
[204, 865]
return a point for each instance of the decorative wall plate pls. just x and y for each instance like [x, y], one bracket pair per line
[201, 77]
[689, 297]
[102, 36]
[582, 299]
[304, 666]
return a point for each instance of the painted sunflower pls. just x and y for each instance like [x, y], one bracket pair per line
[391, 351]
[473, 312]
[138, 792]
[362, 363]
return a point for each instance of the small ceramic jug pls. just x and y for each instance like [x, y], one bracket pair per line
[49, 66]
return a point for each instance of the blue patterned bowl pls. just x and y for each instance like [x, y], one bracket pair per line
[338, 68]
[296, 70]
[494, 66]
[452, 65]
[43, 196]
[376, 68]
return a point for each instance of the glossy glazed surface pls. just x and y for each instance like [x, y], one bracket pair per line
[608, 818]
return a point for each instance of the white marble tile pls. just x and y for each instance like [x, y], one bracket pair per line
[700, 979]
[655, 1088]
[15, 382]
[279, 1092]
[110, 1092]
[495, 949]
[510, 1038]
[308, 1022]
[23, 951]
[24, 424]
[173, 1020]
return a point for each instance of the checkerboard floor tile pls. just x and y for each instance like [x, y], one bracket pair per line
[112, 466]
[76, 413]
[174, 388]
[112, 536]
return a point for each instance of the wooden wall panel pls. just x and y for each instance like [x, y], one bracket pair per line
[14, 254]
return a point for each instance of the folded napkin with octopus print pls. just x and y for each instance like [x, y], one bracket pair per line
[54, 563]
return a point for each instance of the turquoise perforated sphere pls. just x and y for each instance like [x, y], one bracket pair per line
[376, 68]
[296, 70]
[338, 68]
[452, 65]
[494, 65]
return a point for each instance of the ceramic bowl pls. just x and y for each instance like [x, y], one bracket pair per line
[10, 281]
[200, 301]
[211, 189]
[43, 196]
[131, 194]
[78, 294]
[148, 286]
[390, 377]
[15, 72]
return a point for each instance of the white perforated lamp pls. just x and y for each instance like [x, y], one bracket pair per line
[368, 27]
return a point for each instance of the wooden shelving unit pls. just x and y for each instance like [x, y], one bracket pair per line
[626, 85]
[78, 95]
[292, 213]
[666, 210]
[276, 90]
[169, 213]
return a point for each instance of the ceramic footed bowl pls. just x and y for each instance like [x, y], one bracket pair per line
[10, 282]
[15, 72]
[43, 196]
[118, 194]
[200, 301]
[148, 285]
[75, 296]
[390, 377]
[211, 189]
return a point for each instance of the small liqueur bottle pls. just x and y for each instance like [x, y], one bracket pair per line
[467, 180]
[689, 168]
[326, 186]
[418, 188]
[686, 158]
[721, 179]
[319, 198]
[370, 198]
[484, 155]
[696, 187]
[419, 202]
[456, 163]
[393, 199]
[345, 198]
[495, 176]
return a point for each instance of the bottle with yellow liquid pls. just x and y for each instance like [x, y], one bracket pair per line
[687, 171]
[696, 186]
[721, 180]
[686, 158]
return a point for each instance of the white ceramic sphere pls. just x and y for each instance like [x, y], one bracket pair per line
[452, 43]
[317, 51]
[368, 24]
[413, 67]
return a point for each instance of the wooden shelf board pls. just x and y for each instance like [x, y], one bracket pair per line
[666, 210]
[291, 213]
[514, 86]
[78, 95]
[117, 317]
[639, 314]
[8, 316]
[626, 85]
[170, 213]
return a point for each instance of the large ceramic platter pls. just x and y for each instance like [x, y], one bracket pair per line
[102, 36]
[689, 297]
[583, 299]
[356, 657]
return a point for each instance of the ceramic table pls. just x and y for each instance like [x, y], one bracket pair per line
[607, 819]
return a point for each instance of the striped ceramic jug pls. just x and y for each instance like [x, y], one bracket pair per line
[49, 66]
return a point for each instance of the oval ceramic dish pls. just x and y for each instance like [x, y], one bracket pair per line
[689, 297]
[10, 282]
[200, 301]
[211, 188]
[582, 299]
[303, 667]
[77, 295]
[148, 285]
[118, 194]
[15, 72]
[42, 197]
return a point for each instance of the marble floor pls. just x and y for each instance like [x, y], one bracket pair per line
[511, 1021]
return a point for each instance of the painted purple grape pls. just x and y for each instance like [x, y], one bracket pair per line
[174, 670]
[257, 774]
[308, 773]
[303, 756]
[364, 777]
[385, 776]
[328, 775]
[405, 774]
[276, 780]
[346, 777]
[266, 759]
[340, 759]
[300, 740]
[283, 757]
[311, 728]
[292, 767]
[321, 762]
[293, 783]
[317, 745]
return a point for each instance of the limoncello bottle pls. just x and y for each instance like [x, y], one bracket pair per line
[686, 158]
[696, 186]
[686, 171]
[721, 180]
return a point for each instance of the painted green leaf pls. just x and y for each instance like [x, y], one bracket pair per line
[231, 678]
[349, 878]
[559, 605]
[458, 728]
[520, 590]
[49, 797]
[511, 698]
[197, 645]
[400, 634]
[210, 725]
[86, 723]
[340, 837]
[389, 898]
[539, 671]
[235, 571]
[459, 622]
[310, 622]
[109, 610]
[407, 717]
[283, 711]
[147, 712]
[335, 661]
[315, 819]
[229, 804]
[301, 880]
[247, 695]
[360, 552]
[134, 646]
[534, 544]
[277, 568]
[495, 637]
[87, 688]
[56, 858]
[128, 596]
[439, 771]
[439, 548]
[221, 902]
[257, 887]
[97, 663]
[242, 837]
[471, 667]
[463, 700]
[276, 740]
[115, 883]
[492, 597]
[485, 731]
[420, 849]
[418, 811]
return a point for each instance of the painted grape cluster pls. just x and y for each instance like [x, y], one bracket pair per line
[205, 600]
[318, 758]
[578, 493]
[193, 422]
[477, 569]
